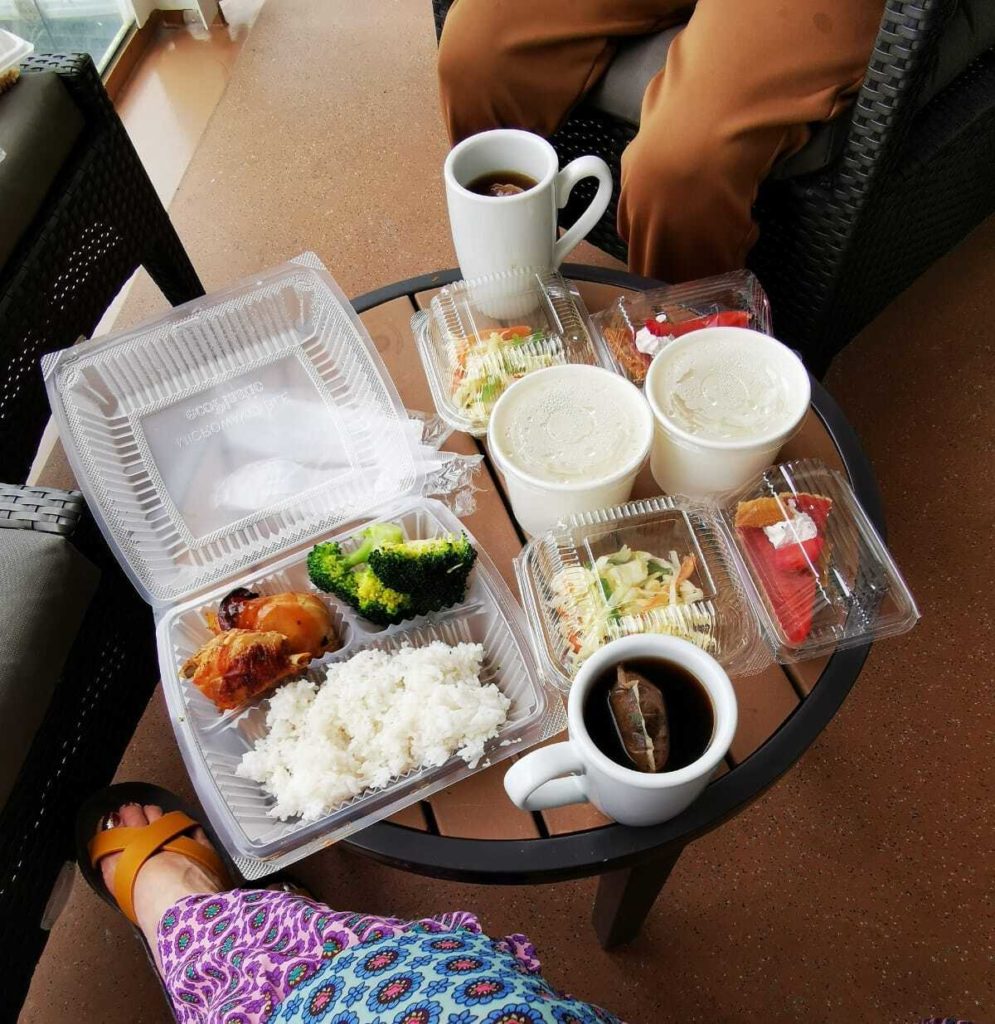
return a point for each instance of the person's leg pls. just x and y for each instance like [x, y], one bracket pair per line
[163, 880]
[219, 951]
[742, 82]
[525, 63]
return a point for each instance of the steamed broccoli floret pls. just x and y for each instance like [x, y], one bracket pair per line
[349, 579]
[434, 572]
[328, 569]
[372, 537]
[388, 579]
[379, 603]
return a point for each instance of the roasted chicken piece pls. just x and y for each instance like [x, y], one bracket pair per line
[239, 664]
[302, 618]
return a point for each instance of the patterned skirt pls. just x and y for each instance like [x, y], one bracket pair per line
[249, 957]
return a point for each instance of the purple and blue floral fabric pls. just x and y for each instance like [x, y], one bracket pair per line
[261, 957]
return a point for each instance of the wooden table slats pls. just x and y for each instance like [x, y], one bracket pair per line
[411, 817]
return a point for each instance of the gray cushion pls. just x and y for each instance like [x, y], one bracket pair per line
[45, 588]
[39, 125]
[620, 92]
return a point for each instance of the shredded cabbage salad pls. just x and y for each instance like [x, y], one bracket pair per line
[486, 365]
[630, 592]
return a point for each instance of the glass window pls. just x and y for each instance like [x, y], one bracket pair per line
[96, 27]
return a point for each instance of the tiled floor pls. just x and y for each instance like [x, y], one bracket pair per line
[860, 887]
[168, 102]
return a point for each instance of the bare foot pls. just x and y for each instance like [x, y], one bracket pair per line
[164, 878]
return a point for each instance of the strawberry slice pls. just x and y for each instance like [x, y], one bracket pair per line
[726, 318]
[815, 505]
[800, 556]
[788, 575]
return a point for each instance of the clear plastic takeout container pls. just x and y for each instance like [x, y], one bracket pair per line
[213, 744]
[748, 607]
[637, 325]
[215, 446]
[479, 336]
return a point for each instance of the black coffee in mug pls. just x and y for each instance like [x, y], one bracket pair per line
[649, 715]
[501, 183]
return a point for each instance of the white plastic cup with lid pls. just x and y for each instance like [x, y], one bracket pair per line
[568, 439]
[725, 400]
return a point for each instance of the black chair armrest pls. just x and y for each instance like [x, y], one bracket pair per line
[82, 80]
[440, 8]
[43, 509]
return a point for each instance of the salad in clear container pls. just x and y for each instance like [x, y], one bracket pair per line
[480, 336]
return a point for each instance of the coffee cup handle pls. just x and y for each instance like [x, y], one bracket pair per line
[537, 780]
[577, 170]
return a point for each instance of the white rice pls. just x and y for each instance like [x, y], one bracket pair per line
[375, 717]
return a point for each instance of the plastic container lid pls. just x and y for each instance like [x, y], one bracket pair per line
[13, 49]
[236, 427]
[638, 325]
[481, 335]
[571, 427]
[744, 603]
[836, 590]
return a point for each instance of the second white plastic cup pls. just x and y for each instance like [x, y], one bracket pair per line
[569, 414]
[731, 361]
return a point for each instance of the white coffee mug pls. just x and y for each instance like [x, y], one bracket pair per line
[577, 771]
[496, 234]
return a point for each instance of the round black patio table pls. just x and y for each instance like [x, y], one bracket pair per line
[633, 863]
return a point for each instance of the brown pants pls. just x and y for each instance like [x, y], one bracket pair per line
[742, 82]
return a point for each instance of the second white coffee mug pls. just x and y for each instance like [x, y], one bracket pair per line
[496, 234]
[577, 771]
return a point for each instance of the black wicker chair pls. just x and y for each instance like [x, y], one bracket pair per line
[100, 221]
[105, 684]
[910, 181]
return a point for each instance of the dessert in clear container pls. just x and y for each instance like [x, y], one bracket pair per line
[639, 325]
[821, 576]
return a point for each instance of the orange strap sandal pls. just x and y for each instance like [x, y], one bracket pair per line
[137, 844]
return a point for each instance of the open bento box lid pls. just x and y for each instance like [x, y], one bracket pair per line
[234, 428]
[744, 603]
[480, 335]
